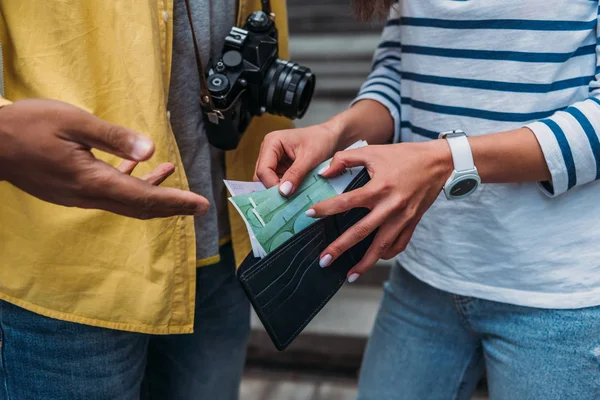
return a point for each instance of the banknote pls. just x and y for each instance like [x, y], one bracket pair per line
[237, 188]
[271, 219]
[287, 220]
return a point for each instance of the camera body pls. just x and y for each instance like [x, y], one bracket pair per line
[249, 79]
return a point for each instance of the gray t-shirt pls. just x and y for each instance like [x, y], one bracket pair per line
[203, 164]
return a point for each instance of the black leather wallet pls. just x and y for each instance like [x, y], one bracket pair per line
[288, 288]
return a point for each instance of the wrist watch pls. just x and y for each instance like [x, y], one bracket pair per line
[465, 178]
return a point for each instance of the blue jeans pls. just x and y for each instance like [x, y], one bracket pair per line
[433, 345]
[48, 359]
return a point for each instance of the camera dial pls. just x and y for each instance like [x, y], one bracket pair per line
[218, 84]
[259, 22]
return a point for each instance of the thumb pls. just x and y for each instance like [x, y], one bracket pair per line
[295, 174]
[343, 160]
[115, 139]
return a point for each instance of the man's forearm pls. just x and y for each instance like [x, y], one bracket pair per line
[366, 120]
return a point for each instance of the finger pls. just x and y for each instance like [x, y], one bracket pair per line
[93, 132]
[361, 197]
[267, 164]
[345, 159]
[384, 239]
[355, 234]
[127, 166]
[159, 174]
[401, 241]
[116, 207]
[150, 201]
[295, 174]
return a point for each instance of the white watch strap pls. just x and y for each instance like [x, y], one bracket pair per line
[461, 152]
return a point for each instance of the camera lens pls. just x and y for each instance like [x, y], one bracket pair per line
[288, 89]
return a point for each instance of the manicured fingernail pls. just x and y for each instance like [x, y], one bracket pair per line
[325, 260]
[310, 213]
[286, 188]
[323, 170]
[141, 148]
[353, 277]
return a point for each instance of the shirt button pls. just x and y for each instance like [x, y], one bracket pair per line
[166, 16]
[169, 116]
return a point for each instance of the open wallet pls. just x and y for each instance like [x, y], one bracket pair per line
[287, 288]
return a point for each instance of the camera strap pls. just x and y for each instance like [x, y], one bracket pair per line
[205, 99]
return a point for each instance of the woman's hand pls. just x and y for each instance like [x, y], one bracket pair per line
[406, 179]
[287, 156]
[291, 154]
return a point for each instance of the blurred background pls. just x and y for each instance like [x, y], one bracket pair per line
[323, 363]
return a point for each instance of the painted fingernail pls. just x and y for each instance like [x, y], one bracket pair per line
[141, 147]
[286, 188]
[353, 277]
[325, 260]
[323, 170]
[310, 213]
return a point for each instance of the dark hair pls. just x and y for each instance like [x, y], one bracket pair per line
[366, 9]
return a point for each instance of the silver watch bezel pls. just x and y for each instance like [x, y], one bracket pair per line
[457, 177]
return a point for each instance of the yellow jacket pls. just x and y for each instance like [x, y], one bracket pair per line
[112, 58]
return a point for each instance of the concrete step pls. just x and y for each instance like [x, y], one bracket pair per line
[334, 340]
[259, 384]
[317, 16]
[333, 46]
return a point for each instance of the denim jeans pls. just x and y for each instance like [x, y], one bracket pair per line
[432, 345]
[44, 358]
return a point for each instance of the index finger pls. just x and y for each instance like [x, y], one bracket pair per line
[266, 166]
[94, 132]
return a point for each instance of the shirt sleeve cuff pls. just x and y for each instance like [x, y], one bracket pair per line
[554, 159]
[394, 112]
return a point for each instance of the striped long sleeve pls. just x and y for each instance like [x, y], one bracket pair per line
[570, 139]
[383, 83]
[484, 69]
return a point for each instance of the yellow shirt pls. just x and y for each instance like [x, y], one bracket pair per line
[112, 59]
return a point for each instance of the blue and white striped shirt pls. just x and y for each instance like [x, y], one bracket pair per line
[491, 66]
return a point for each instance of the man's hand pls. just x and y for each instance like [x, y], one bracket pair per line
[45, 151]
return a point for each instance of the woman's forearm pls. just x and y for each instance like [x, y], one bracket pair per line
[366, 120]
[506, 157]
[512, 156]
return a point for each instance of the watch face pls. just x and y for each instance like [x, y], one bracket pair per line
[464, 187]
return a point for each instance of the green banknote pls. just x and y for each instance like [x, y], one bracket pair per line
[271, 219]
[274, 218]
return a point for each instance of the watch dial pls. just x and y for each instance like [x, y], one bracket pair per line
[463, 188]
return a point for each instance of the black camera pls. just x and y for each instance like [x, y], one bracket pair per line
[249, 79]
